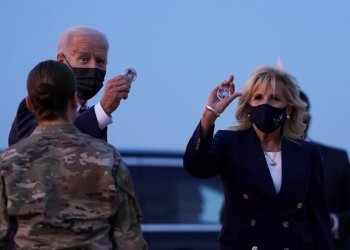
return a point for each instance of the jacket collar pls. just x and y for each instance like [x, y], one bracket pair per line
[55, 128]
[254, 160]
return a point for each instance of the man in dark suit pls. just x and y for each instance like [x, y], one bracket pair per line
[337, 187]
[85, 50]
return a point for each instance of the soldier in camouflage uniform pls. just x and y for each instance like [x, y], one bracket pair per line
[65, 189]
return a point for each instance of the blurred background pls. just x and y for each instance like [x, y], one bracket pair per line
[181, 51]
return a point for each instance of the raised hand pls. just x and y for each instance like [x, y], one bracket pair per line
[116, 89]
[221, 105]
[215, 106]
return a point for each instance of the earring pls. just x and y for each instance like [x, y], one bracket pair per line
[288, 117]
[248, 115]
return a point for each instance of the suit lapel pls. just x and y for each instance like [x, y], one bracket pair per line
[293, 171]
[254, 160]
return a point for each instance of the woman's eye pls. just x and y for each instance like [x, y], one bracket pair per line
[84, 59]
[258, 97]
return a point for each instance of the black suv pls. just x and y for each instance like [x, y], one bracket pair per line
[181, 212]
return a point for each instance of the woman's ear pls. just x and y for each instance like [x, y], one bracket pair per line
[29, 105]
[289, 110]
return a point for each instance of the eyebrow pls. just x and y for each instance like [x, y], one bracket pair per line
[84, 53]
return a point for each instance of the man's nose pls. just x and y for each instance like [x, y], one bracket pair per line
[92, 64]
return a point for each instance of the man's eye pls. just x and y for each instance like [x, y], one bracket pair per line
[84, 59]
[100, 61]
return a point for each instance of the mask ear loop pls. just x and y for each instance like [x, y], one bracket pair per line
[70, 67]
[66, 60]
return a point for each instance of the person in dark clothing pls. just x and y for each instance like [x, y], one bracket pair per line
[273, 180]
[337, 186]
[84, 49]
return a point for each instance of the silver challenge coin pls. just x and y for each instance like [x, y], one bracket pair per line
[131, 74]
[223, 93]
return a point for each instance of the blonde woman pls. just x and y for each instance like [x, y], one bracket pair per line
[273, 180]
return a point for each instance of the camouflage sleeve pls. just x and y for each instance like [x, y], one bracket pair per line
[4, 218]
[127, 230]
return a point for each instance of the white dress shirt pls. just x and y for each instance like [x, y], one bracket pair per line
[103, 119]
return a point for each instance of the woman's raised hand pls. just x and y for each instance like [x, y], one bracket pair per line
[215, 106]
[221, 105]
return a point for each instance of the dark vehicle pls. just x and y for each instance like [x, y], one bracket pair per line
[181, 212]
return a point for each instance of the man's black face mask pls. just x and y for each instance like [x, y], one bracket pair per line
[89, 81]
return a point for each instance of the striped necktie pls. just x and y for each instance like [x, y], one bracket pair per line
[82, 109]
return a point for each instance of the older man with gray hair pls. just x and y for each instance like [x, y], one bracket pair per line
[85, 50]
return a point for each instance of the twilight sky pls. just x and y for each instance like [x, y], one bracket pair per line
[182, 50]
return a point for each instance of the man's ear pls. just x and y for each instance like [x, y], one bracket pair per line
[60, 57]
[29, 105]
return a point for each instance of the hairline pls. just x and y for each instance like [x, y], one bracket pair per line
[66, 36]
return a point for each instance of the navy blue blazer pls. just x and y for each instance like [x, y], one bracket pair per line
[25, 123]
[254, 214]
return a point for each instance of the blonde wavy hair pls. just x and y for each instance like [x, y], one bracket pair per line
[265, 75]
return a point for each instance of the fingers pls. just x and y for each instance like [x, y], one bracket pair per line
[119, 83]
[232, 88]
[221, 104]
[226, 83]
[233, 96]
[230, 79]
[119, 80]
[116, 89]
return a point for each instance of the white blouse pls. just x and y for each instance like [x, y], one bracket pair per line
[276, 170]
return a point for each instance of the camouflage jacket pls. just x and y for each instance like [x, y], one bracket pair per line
[67, 190]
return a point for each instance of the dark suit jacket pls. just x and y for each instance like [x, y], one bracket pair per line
[254, 214]
[337, 186]
[25, 123]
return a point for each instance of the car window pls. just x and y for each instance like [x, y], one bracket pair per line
[168, 194]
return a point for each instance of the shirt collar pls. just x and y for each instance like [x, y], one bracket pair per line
[79, 105]
[55, 128]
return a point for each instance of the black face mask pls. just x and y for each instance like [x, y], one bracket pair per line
[89, 81]
[267, 118]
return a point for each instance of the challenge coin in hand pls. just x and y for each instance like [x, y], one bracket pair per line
[223, 93]
[131, 74]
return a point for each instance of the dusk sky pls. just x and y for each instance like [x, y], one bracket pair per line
[181, 51]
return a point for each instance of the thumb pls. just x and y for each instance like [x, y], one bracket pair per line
[233, 96]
